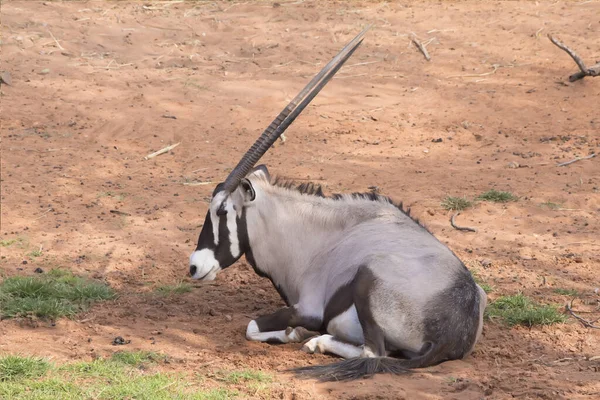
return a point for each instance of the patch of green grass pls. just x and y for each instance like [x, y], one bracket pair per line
[479, 280]
[497, 196]
[551, 205]
[106, 379]
[14, 368]
[456, 203]
[136, 358]
[6, 243]
[520, 310]
[34, 253]
[179, 288]
[54, 295]
[566, 292]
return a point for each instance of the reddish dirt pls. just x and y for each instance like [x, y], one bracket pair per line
[78, 120]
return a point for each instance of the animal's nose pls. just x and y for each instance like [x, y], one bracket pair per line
[193, 270]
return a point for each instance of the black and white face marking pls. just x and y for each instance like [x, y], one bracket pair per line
[224, 236]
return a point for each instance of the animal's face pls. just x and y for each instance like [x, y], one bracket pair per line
[224, 236]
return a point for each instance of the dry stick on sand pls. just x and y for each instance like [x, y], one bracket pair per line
[421, 48]
[584, 322]
[56, 41]
[460, 228]
[594, 70]
[577, 159]
[161, 151]
[197, 183]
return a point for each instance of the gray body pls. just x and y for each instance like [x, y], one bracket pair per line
[361, 279]
[358, 269]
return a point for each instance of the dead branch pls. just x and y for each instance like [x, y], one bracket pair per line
[577, 159]
[460, 228]
[56, 41]
[162, 151]
[197, 183]
[584, 322]
[125, 214]
[594, 70]
[421, 48]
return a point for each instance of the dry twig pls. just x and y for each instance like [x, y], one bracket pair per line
[577, 159]
[56, 41]
[119, 213]
[584, 322]
[162, 151]
[594, 70]
[197, 183]
[421, 48]
[460, 228]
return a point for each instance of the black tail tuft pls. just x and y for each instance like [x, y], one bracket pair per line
[353, 368]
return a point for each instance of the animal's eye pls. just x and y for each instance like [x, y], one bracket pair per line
[247, 186]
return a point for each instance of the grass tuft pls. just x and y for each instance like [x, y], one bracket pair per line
[520, 310]
[27, 378]
[456, 203]
[551, 205]
[497, 196]
[13, 368]
[34, 254]
[136, 358]
[567, 292]
[179, 288]
[57, 294]
[479, 280]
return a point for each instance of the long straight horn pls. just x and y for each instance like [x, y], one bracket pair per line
[289, 113]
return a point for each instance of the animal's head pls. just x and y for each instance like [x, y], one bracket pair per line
[224, 235]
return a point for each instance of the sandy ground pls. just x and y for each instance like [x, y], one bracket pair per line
[94, 82]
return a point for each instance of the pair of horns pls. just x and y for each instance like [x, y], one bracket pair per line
[289, 114]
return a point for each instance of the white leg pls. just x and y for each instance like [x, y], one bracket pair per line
[346, 327]
[289, 335]
[327, 343]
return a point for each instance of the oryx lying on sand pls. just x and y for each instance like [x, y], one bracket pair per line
[384, 292]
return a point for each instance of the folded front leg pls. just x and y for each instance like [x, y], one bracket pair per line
[286, 325]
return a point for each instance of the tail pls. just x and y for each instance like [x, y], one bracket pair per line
[355, 368]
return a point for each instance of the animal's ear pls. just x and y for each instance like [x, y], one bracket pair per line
[248, 190]
[261, 171]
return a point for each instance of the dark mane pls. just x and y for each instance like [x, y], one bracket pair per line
[309, 188]
[314, 189]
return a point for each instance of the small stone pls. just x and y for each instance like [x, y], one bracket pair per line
[229, 318]
[45, 71]
[38, 270]
[513, 164]
[119, 341]
[5, 77]
[213, 312]
[24, 262]
[578, 260]
[438, 140]
[485, 263]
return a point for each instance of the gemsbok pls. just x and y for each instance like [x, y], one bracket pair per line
[361, 279]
